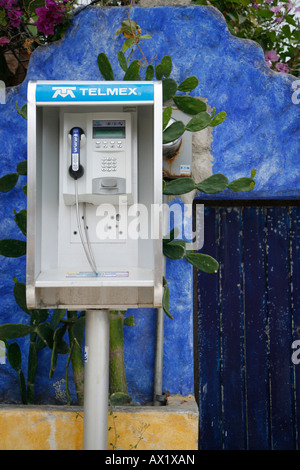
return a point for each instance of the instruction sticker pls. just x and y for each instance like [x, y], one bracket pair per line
[100, 274]
[185, 169]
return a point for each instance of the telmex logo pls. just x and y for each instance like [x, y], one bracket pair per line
[68, 91]
[63, 91]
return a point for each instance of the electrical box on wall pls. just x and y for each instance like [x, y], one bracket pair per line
[94, 218]
[177, 155]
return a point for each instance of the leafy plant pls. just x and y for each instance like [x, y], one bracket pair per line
[45, 330]
[274, 24]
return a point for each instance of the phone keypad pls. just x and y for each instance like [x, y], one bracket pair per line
[108, 164]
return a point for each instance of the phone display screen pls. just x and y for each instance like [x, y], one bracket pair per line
[109, 129]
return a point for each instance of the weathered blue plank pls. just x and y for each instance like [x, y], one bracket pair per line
[280, 327]
[210, 413]
[232, 336]
[295, 290]
[256, 348]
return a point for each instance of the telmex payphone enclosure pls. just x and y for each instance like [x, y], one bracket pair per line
[94, 217]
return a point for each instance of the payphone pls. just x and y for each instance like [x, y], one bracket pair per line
[94, 195]
[94, 218]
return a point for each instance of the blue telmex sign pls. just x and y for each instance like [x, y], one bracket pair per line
[94, 92]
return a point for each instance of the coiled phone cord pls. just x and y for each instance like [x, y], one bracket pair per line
[86, 245]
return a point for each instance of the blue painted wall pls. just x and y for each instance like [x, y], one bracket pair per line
[261, 131]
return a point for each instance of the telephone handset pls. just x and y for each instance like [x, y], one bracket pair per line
[76, 169]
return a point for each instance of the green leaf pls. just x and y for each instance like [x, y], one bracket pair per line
[12, 248]
[122, 61]
[127, 44]
[220, 117]
[14, 356]
[22, 387]
[253, 173]
[21, 220]
[173, 132]
[59, 346]
[132, 72]
[22, 111]
[264, 13]
[22, 168]
[173, 251]
[105, 67]
[203, 262]
[129, 321]
[179, 186]
[129, 26]
[214, 184]
[242, 184]
[8, 182]
[20, 295]
[189, 84]
[173, 234]
[189, 104]
[289, 19]
[53, 361]
[146, 36]
[165, 301]
[166, 64]
[286, 30]
[32, 363]
[39, 316]
[167, 113]
[169, 88]
[56, 317]
[45, 332]
[198, 122]
[149, 72]
[78, 330]
[25, 189]
[159, 73]
[14, 330]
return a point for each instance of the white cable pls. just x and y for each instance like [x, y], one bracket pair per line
[87, 253]
[87, 237]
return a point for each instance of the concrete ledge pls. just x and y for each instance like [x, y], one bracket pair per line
[171, 427]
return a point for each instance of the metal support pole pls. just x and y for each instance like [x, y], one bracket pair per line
[96, 377]
[158, 371]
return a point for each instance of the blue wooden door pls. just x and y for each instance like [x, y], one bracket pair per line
[248, 314]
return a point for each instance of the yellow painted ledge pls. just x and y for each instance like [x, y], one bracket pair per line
[171, 427]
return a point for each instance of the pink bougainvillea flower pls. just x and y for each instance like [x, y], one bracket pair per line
[4, 40]
[279, 19]
[15, 16]
[7, 4]
[290, 6]
[297, 9]
[49, 16]
[271, 56]
[281, 67]
[276, 9]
